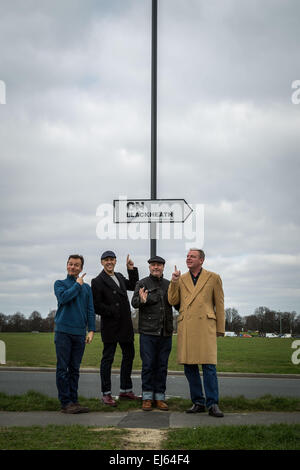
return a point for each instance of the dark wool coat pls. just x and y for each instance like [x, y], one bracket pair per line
[111, 302]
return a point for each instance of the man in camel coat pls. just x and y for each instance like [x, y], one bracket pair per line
[201, 319]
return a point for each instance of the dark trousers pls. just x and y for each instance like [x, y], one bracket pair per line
[155, 351]
[69, 352]
[210, 382]
[108, 355]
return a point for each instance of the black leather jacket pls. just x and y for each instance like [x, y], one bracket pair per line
[156, 315]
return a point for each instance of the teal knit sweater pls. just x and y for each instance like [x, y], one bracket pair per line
[75, 313]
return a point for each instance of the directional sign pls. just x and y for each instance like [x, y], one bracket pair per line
[149, 211]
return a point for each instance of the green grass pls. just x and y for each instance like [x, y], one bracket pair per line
[34, 401]
[77, 437]
[260, 355]
[272, 437]
[52, 437]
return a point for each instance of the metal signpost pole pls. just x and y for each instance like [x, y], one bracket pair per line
[153, 122]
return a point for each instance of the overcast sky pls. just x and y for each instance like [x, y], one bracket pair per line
[75, 134]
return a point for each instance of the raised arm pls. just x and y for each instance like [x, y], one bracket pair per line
[65, 294]
[174, 288]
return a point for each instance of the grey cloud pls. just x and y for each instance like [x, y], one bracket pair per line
[75, 133]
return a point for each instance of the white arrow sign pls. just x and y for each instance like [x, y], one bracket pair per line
[147, 210]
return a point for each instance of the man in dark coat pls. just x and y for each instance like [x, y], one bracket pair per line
[111, 302]
[155, 328]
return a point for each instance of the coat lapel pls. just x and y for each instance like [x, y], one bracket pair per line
[122, 289]
[194, 290]
[112, 284]
[188, 283]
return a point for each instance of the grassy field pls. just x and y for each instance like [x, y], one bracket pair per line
[75, 437]
[51, 437]
[273, 437]
[260, 355]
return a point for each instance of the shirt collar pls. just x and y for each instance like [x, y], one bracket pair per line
[155, 277]
[197, 275]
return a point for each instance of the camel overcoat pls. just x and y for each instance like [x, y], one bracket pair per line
[201, 316]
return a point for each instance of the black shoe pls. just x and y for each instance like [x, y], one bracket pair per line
[196, 409]
[215, 411]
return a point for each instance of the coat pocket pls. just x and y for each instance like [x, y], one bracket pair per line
[212, 315]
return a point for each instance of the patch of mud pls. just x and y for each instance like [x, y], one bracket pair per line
[140, 438]
[143, 439]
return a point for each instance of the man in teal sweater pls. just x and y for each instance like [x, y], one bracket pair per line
[75, 314]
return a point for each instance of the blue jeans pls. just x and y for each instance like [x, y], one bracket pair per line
[155, 351]
[210, 382]
[69, 352]
[108, 355]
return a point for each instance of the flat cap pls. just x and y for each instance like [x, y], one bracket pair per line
[108, 254]
[156, 259]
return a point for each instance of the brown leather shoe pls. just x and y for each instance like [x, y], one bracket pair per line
[70, 408]
[161, 405]
[81, 409]
[147, 405]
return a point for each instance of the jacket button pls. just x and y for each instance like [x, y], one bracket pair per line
[114, 291]
[117, 304]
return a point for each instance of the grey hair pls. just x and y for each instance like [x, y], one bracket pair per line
[201, 252]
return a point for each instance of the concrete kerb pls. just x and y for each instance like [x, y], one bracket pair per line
[140, 419]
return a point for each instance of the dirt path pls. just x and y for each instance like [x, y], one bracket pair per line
[140, 438]
[143, 439]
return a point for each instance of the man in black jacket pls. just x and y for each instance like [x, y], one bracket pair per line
[111, 302]
[155, 328]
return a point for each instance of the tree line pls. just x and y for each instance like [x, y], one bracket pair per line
[262, 321]
[35, 322]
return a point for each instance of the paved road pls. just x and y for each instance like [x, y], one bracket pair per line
[19, 382]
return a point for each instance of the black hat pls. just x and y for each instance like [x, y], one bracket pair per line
[156, 259]
[108, 254]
